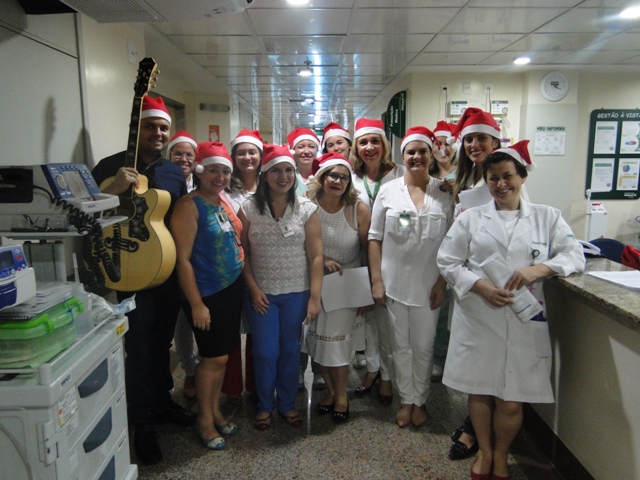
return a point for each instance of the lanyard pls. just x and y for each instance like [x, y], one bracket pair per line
[372, 198]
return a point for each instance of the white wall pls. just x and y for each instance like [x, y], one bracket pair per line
[559, 180]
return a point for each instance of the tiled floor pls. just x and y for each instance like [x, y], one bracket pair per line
[369, 446]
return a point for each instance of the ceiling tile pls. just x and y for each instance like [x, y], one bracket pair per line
[479, 42]
[227, 44]
[540, 42]
[407, 43]
[622, 41]
[401, 21]
[306, 45]
[455, 58]
[501, 20]
[589, 20]
[299, 22]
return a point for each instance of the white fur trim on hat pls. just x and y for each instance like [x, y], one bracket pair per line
[214, 160]
[513, 153]
[334, 132]
[334, 162]
[414, 137]
[276, 160]
[247, 139]
[155, 113]
[478, 128]
[367, 131]
[182, 139]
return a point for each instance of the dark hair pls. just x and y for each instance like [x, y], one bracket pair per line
[324, 150]
[262, 197]
[464, 170]
[237, 182]
[499, 157]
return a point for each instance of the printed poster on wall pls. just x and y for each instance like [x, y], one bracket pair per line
[550, 140]
[630, 139]
[628, 174]
[602, 175]
[605, 137]
[214, 133]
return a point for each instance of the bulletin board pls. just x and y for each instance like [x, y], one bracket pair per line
[613, 164]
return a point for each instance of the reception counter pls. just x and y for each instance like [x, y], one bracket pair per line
[595, 333]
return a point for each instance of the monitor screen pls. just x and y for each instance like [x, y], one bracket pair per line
[76, 184]
[6, 260]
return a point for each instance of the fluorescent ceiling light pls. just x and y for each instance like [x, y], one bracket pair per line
[522, 60]
[306, 71]
[630, 12]
[298, 2]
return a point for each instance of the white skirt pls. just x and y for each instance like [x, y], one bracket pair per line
[330, 339]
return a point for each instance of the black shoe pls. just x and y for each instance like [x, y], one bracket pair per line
[145, 443]
[340, 417]
[458, 450]
[178, 415]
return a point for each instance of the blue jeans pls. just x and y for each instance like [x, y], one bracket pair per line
[276, 349]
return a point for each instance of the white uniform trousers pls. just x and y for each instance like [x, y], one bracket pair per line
[413, 331]
[378, 350]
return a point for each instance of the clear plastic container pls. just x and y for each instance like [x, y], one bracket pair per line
[29, 343]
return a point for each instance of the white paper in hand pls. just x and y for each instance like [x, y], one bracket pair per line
[352, 289]
[524, 305]
[475, 197]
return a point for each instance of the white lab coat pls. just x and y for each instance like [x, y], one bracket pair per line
[491, 352]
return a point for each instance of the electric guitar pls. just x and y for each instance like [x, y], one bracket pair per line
[142, 243]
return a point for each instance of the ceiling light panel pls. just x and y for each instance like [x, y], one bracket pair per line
[479, 42]
[589, 20]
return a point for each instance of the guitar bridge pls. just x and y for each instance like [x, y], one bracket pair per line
[123, 244]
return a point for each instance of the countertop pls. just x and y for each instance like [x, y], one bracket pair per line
[620, 303]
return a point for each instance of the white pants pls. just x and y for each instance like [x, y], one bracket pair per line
[413, 330]
[378, 351]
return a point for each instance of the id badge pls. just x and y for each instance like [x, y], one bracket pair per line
[224, 222]
[286, 229]
[404, 222]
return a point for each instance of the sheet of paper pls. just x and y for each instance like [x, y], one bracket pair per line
[629, 278]
[475, 197]
[352, 289]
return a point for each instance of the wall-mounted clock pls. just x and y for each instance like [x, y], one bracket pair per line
[554, 86]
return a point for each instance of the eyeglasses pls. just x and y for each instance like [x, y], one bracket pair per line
[336, 177]
[179, 154]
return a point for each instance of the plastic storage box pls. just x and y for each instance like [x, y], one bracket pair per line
[31, 342]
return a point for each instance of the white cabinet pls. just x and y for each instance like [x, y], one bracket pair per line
[68, 419]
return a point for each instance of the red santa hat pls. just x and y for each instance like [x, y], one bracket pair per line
[274, 154]
[182, 136]
[422, 134]
[443, 129]
[332, 130]
[330, 159]
[211, 153]
[365, 126]
[248, 136]
[520, 153]
[474, 120]
[300, 134]
[154, 107]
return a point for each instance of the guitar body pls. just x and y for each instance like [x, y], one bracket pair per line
[147, 250]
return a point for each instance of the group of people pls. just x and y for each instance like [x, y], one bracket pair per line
[262, 226]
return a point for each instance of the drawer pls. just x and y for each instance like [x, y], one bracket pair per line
[118, 465]
[96, 442]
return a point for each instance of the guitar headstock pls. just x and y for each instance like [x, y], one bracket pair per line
[147, 73]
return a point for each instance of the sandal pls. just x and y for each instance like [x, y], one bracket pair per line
[215, 443]
[262, 424]
[361, 390]
[227, 429]
[293, 420]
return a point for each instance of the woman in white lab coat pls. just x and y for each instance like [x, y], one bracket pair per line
[409, 220]
[499, 360]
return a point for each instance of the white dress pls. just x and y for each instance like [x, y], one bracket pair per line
[329, 340]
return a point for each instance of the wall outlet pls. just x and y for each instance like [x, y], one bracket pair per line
[132, 53]
[487, 88]
[466, 88]
[444, 88]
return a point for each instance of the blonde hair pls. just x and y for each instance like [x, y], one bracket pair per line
[315, 189]
[386, 163]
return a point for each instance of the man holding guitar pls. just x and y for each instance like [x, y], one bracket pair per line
[151, 325]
